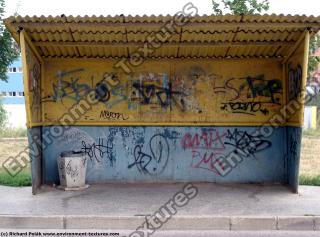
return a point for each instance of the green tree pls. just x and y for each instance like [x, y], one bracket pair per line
[8, 53]
[8, 50]
[312, 66]
[238, 7]
[313, 60]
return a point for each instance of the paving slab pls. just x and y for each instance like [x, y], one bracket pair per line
[28, 221]
[126, 206]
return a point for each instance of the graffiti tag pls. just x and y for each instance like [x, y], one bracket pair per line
[155, 161]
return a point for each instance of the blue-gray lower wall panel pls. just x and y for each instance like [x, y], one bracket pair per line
[170, 154]
[35, 154]
[293, 151]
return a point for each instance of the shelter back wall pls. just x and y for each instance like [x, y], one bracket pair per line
[172, 92]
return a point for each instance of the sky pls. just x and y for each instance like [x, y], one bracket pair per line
[141, 7]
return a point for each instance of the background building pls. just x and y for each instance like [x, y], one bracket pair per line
[13, 96]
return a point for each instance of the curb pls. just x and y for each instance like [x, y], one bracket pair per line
[30, 222]
[247, 223]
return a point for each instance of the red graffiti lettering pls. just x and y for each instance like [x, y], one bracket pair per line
[207, 160]
[207, 140]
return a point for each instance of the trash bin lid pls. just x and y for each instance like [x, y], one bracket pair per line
[72, 154]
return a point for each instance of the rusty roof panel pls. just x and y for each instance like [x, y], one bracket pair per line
[267, 36]
[207, 36]
[273, 18]
[166, 51]
[203, 36]
[98, 37]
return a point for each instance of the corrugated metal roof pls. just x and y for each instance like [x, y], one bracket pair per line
[202, 37]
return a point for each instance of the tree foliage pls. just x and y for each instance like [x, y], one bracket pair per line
[8, 53]
[313, 60]
[8, 50]
[238, 7]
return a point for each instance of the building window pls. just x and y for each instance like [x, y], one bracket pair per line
[15, 69]
[14, 93]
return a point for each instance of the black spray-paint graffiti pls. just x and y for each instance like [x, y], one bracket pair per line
[250, 108]
[293, 148]
[73, 173]
[295, 82]
[246, 144]
[75, 90]
[106, 114]
[97, 151]
[252, 87]
[249, 95]
[155, 160]
[164, 96]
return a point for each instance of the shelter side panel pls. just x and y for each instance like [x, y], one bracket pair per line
[296, 82]
[32, 74]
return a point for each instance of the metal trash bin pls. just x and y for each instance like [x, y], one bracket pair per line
[72, 168]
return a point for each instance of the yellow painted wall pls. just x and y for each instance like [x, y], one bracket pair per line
[32, 83]
[296, 76]
[177, 92]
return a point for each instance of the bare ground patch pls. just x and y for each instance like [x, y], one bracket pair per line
[11, 147]
[310, 156]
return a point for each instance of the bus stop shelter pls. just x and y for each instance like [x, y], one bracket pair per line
[165, 98]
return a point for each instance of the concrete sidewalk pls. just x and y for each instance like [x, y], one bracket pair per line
[125, 206]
